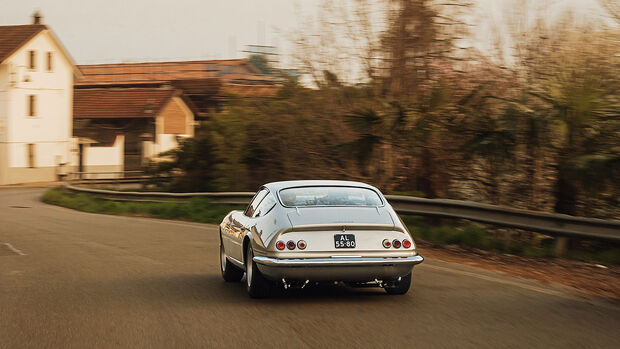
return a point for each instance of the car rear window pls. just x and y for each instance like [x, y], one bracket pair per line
[329, 196]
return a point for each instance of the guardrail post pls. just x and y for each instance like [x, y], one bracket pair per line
[560, 246]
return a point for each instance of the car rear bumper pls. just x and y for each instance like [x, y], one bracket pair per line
[337, 268]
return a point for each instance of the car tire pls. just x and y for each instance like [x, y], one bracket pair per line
[257, 285]
[230, 272]
[399, 286]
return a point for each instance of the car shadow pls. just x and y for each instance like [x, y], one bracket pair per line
[326, 291]
[201, 289]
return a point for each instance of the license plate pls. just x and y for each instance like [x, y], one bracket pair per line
[344, 241]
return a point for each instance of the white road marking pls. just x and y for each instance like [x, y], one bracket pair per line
[13, 249]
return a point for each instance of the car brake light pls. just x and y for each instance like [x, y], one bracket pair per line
[290, 245]
[280, 245]
[406, 243]
[387, 243]
[396, 244]
[301, 244]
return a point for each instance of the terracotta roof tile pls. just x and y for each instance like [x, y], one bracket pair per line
[141, 73]
[12, 37]
[227, 71]
[119, 103]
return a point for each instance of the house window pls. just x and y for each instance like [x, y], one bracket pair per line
[32, 105]
[32, 60]
[50, 61]
[31, 158]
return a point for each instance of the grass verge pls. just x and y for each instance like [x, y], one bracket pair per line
[196, 210]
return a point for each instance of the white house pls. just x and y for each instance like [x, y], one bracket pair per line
[36, 104]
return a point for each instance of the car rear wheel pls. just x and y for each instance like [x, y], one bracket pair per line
[257, 285]
[230, 272]
[399, 286]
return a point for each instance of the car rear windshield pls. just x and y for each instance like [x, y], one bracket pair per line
[329, 196]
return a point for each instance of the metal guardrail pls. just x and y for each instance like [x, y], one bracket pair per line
[550, 223]
[105, 173]
[219, 197]
[113, 177]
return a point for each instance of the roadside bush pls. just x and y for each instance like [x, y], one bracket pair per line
[473, 236]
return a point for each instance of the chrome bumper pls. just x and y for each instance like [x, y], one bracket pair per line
[337, 261]
[337, 268]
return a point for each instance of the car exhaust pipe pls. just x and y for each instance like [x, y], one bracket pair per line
[294, 284]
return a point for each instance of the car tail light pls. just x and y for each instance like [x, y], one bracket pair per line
[387, 243]
[280, 245]
[406, 243]
[396, 244]
[290, 245]
[301, 244]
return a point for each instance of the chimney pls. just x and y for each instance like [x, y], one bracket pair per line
[36, 18]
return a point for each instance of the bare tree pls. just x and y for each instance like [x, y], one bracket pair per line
[420, 34]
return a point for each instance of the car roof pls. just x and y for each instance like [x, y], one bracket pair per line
[275, 186]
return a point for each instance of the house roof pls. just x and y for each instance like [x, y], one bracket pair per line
[232, 72]
[12, 37]
[141, 73]
[159, 72]
[109, 103]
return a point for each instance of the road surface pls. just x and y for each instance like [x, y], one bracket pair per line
[76, 280]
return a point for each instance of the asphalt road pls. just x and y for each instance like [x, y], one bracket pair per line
[77, 280]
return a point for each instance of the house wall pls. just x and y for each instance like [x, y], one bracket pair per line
[105, 159]
[4, 86]
[174, 120]
[50, 129]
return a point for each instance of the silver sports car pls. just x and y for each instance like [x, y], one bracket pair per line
[296, 232]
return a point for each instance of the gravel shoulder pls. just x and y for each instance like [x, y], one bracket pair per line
[590, 280]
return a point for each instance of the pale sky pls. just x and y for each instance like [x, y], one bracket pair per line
[101, 31]
[106, 31]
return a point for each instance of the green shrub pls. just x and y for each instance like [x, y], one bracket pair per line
[474, 236]
[533, 251]
[609, 256]
[515, 247]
